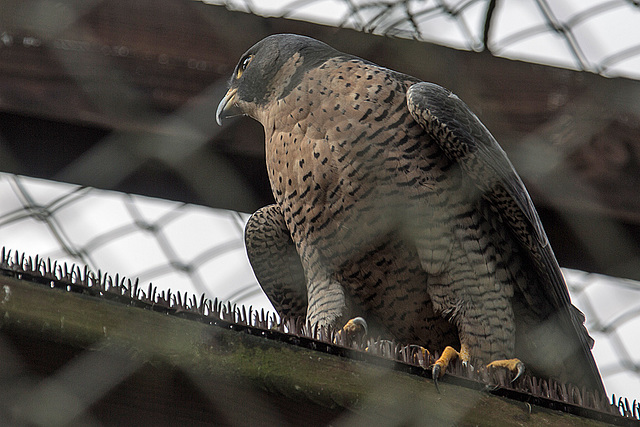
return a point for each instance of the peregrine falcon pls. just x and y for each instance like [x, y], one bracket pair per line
[396, 204]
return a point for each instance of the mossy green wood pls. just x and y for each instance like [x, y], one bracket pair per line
[367, 393]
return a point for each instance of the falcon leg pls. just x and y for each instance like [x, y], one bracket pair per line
[514, 365]
[327, 302]
[275, 261]
[327, 299]
[479, 307]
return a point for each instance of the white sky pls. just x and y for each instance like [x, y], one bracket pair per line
[602, 29]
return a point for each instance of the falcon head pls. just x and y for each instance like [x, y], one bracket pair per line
[268, 71]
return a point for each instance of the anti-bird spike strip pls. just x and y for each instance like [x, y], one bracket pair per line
[408, 358]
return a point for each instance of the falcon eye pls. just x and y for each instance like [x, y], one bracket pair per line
[243, 66]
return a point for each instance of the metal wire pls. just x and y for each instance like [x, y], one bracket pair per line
[467, 24]
[478, 25]
[120, 248]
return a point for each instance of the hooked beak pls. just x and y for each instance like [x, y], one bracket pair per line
[228, 107]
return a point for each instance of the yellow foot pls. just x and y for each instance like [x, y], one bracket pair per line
[514, 365]
[355, 329]
[440, 366]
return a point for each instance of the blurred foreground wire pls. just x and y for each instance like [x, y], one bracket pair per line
[587, 36]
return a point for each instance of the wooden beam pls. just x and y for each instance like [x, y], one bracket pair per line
[113, 363]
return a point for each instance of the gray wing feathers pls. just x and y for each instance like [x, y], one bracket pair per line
[464, 139]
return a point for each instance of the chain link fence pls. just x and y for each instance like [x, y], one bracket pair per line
[172, 245]
[594, 35]
[198, 250]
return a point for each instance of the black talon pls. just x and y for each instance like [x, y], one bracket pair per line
[520, 367]
[435, 374]
[359, 321]
[491, 388]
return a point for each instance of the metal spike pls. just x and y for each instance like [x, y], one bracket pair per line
[214, 308]
[229, 309]
[85, 276]
[49, 268]
[175, 300]
[73, 278]
[620, 406]
[135, 289]
[184, 300]
[178, 300]
[243, 318]
[627, 407]
[202, 305]
[97, 280]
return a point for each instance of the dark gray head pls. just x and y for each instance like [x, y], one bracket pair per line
[270, 69]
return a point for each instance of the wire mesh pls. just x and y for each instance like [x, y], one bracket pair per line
[199, 250]
[596, 35]
[612, 308]
[173, 245]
